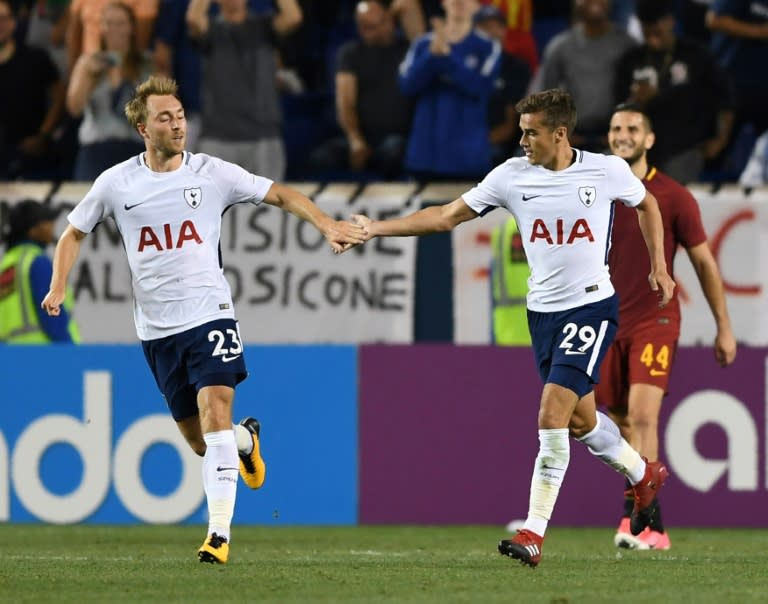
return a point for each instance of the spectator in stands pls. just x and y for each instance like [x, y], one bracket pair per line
[518, 39]
[47, 27]
[582, 60]
[176, 56]
[25, 274]
[509, 88]
[450, 72]
[241, 106]
[102, 82]
[678, 83]
[31, 104]
[373, 114]
[740, 42]
[85, 25]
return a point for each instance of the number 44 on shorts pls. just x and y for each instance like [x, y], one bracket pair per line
[659, 358]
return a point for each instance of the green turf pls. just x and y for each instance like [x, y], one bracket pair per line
[110, 565]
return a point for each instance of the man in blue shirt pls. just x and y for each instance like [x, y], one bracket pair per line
[451, 72]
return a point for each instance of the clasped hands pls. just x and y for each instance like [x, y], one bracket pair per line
[343, 235]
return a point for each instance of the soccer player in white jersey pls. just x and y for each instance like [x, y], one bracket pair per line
[168, 204]
[562, 199]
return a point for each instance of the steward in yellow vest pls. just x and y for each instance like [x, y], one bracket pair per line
[509, 276]
[25, 275]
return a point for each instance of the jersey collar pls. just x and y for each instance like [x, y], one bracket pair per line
[142, 161]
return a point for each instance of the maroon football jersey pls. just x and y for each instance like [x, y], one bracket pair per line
[628, 259]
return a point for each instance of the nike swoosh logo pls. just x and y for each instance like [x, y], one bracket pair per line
[529, 197]
[127, 207]
[656, 372]
[223, 468]
[227, 359]
[574, 352]
[551, 468]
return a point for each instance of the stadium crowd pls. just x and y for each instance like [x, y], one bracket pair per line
[378, 89]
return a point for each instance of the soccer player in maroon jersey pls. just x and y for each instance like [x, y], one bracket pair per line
[635, 373]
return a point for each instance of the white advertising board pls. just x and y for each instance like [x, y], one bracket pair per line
[287, 285]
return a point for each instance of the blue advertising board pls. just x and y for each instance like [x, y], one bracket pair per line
[86, 437]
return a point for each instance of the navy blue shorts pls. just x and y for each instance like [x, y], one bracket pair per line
[570, 345]
[208, 355]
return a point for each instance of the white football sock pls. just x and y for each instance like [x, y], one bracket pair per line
[243, 438]
[221, 467]
[548, 473]
[605, 441]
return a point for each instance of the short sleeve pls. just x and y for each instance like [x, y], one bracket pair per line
[490, 193]
[93, 208]
[345, 59]
[689, 228]
[625, 186]
[238, 185]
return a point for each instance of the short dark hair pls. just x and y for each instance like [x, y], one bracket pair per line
[652, 11]
[556, 104]
[634, 108]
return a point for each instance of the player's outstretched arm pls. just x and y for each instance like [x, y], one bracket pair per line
[652, 228]
[434, 219]
[339, 233]
[705, 265]
[67, 250]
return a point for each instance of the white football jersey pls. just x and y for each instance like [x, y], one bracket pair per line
[565, 219]
[170, 223]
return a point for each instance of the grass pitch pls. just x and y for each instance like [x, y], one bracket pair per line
[146, 564]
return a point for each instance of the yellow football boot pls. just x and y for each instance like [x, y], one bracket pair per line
[252, 466]
[215, 550]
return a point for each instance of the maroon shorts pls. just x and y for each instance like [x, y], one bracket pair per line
[643, 356]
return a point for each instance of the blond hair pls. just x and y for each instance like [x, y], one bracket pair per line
[136, 108]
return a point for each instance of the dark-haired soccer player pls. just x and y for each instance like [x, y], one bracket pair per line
[635, 372]
[562, 200]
